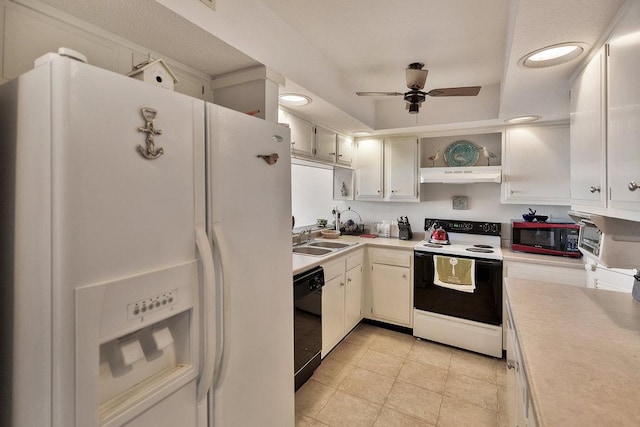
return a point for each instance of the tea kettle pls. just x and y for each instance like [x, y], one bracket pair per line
[438, 236]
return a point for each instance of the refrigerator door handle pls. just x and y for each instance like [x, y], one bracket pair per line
[208, 313]
[218, 241]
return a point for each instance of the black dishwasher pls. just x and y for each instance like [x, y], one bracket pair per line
[307, 323]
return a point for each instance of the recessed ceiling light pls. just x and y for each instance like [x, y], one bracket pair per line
[552, 55]
[522, 119]
[294, 99]
[361, 133]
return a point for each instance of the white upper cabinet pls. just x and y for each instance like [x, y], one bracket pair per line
[536, 165]
[301, 136]
[605, 106]
[623, 148]
[387, 169]
[325, 144]
[401, 169]
[345, 150]
[313, 142]
[588, 135]
[369, 183]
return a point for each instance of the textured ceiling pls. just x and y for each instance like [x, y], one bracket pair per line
[540, 23]
[155, 27]
[461, 42]
[331, 48]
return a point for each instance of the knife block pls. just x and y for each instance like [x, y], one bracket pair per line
[404, 232]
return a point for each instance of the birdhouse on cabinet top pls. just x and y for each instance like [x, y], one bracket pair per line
[156, 72]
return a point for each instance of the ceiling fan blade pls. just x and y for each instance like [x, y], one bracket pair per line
[379, 93]
[416, 78]
[455, 91]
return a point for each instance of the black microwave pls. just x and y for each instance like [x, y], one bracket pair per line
[549, 238]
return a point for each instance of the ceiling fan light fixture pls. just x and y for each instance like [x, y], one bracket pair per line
[414, 108]
[416, 77]
[294, 99]
[552, 55]
[522, 119]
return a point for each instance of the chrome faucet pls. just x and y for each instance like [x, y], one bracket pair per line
[300, 238]
[307, 231]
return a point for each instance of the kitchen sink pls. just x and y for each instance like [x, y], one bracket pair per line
[309, 250]
[332, 245]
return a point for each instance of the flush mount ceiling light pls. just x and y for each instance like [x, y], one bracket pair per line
[552, 55]
[522, 119]
[294, 99]
[361, 133]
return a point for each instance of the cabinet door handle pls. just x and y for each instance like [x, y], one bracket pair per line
[404, 276]
[633, 186]
[378, 191]
[349, 280]
[341, 283]
[594, 189]
[510, 365]
[332, 154]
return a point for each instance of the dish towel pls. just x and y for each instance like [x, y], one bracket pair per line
[455, 273]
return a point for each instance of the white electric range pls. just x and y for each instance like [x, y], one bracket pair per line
[469, 319]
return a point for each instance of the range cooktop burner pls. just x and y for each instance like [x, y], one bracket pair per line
[481, 250]
[483, 246]
[431, 245]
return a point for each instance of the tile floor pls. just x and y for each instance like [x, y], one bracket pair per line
[378, 377]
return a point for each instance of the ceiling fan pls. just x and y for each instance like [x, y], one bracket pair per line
[416, 78]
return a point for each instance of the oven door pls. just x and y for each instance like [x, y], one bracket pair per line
[483, 305]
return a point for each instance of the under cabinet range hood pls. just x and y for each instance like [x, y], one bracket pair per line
[461, 175]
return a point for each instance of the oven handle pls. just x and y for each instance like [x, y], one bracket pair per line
[422, 254]
[484, 262]
[489, 262]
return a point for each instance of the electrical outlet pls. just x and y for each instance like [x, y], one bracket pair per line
[210, 3]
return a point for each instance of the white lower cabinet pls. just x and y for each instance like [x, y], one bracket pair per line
[341, 298]
[573, 276]
[353, 295]
[519, 409]
[391, 286]
[332, 312]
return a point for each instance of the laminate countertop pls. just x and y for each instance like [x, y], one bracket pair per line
[509, 254]
[581, 352]
[302, 263]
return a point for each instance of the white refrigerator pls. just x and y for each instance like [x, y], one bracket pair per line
[249, 221]
[113, 300]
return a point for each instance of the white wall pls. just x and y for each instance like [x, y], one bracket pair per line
[484, 205]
